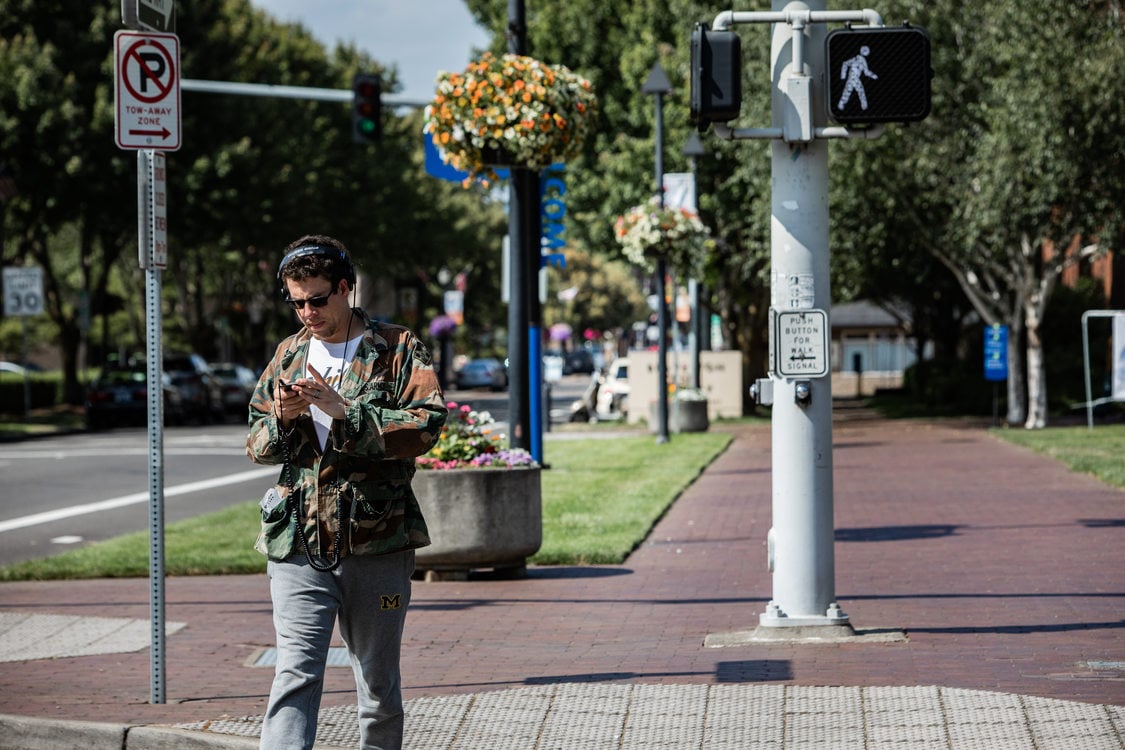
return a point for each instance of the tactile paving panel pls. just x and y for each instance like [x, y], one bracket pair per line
[581, 716]
[56, 636]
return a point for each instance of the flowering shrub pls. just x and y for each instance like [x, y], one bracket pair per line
[538, 114]
[646, 232]
[468, 441]
[442, 325]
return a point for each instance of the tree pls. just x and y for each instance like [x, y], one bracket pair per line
[614, 44]
[55, 128]
[893, 199]
[1016, 174]
[251, 175]
[1044, 184]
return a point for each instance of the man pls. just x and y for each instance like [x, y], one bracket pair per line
[345, 405]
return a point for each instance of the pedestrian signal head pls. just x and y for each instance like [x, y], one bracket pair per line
[716, 76]
[878, 74]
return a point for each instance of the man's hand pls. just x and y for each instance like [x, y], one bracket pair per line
[317, 391]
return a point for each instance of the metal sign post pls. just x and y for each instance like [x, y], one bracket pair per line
[147, 117]
[152, 234]
[1117, 352]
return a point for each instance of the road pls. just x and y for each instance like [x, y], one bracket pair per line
[69, 490]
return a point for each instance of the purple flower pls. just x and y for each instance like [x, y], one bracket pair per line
[442, 326]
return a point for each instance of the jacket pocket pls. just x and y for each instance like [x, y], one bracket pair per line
[376, 514]
[275, 539]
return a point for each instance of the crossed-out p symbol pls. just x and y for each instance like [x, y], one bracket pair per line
[153, 67]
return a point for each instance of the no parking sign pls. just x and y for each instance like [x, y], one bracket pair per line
[147, 90]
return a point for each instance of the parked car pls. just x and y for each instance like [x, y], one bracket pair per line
[483, 373]
[203, 399]
[236, 386]
[120, 396]
[613, 393]
[580, 361]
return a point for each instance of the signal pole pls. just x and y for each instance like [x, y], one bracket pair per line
[801, 540]
[888, 71]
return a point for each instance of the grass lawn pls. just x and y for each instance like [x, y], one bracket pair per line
[601, 497]
[1098, 452]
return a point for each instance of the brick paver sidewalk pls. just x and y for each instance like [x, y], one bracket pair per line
[1005, 571]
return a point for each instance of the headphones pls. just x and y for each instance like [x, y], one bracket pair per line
[327, 251]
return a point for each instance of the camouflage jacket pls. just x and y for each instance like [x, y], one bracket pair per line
[395, 411]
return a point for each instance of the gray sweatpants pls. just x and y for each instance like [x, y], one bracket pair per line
[370, 594]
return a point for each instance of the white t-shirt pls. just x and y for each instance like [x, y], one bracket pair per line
[330, 360]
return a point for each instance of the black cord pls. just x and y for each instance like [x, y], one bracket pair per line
[291, 501]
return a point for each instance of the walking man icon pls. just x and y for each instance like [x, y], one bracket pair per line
[853, 69]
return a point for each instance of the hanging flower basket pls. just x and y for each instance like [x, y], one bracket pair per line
[509, 111]
[676, 234]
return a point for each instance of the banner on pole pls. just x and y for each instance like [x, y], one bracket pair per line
[679, 190]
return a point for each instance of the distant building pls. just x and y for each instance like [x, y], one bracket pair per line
[871, 348]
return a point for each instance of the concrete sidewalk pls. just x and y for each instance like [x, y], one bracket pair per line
[986, 583]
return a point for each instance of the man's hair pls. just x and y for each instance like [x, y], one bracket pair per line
[333, 266]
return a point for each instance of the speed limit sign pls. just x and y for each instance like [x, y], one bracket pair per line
[23, 291]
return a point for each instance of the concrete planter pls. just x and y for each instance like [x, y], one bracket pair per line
[683, 416]
[479, 519]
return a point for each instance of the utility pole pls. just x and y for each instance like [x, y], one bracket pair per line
[693, 150]
[658, 86]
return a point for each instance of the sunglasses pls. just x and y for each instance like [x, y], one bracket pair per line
[319, 301]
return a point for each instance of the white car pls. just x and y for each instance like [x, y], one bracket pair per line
[613, 394]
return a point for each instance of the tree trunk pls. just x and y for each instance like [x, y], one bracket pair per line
[1034, 307]
[1017, 395]
[1036, 381]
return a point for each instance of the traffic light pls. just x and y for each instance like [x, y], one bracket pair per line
[367, 89]
[716, 76]
[878, 75]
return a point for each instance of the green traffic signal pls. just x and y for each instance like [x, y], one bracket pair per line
[366, 108]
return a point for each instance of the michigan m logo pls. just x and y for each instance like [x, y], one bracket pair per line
[390, 602]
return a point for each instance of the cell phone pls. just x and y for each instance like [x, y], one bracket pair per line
[287, 386]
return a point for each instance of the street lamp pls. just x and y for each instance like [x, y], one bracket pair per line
[658, 86]
[693, 149]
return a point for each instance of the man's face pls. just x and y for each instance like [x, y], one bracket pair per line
[328, 322]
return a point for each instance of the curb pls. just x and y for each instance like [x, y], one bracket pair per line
[23, 733]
